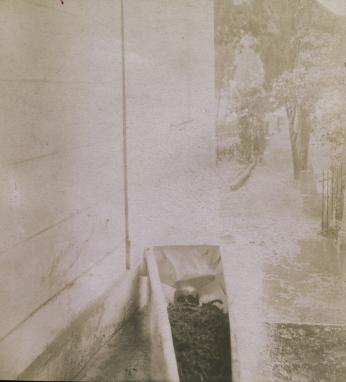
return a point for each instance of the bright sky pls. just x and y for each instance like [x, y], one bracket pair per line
[336, 6]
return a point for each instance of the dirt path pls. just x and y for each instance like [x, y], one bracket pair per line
[279, 270]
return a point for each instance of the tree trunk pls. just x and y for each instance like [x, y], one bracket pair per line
[304, 142]
[293, 122]
[300, 131]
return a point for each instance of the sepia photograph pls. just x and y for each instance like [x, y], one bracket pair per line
[172, 181]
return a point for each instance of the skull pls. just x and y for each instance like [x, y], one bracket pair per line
[186, 295]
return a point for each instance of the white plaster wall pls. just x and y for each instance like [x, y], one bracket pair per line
[60, 161]
[61, 182]
[171, 109]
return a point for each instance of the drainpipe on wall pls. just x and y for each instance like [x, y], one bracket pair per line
[125, 168]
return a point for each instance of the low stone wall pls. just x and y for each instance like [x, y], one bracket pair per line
[66, 356]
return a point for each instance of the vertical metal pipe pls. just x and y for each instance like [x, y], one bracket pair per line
[337, 193]
[340, 179]
[322, 219]
[125, 167]
[332, 197]
[327, 219]
[341, 192]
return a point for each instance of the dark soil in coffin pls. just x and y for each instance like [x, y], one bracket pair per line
[201, 337]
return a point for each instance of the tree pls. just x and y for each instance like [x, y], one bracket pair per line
[329, 118]
[299, 46]
[244, 97]
[312, 68]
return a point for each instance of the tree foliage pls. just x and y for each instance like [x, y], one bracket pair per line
[301, 48]
[313, 69]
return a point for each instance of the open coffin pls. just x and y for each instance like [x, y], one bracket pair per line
[131, 332]
[172, 268]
